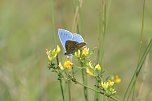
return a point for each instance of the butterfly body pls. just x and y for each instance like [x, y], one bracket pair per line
[70, 42]
[73, 46]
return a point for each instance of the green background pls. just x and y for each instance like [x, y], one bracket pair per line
[26, 30]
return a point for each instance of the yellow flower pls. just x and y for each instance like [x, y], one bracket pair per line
[110, 83]
[117, 79]
[112, 91]
[50, 58]
[68, 64]
[52, 54]
[85, 51]
[90, 65]
[98, 67]
[104, 85]
[60, 66]
[107, 86]
[58, 49]
[77, 54]
[90, 72]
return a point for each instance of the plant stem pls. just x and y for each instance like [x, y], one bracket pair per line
[61, 86]
[112, 97]
[102, 34]
[140, 43]
[77, 82]
[96, 96]
[84, 78]
[143, 79]
[53, 22]
[69, 90]
[76, 16]
[138, 69]
[140, 48]
[142, 30]
[75, 26]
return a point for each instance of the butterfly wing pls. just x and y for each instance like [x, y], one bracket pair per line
[71, 46]
[78, 38]
[70, 42]
[64, 35]
[80, 45]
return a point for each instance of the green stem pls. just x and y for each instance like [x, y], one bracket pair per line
[53, 22]
[133, 92]
[54, 38]
[61, 86]
[140, 47]
[77, 82]
[137, 71]
[69, 90]
[130, 92]
[102, 33]
[112, 97]
[84, 78]
[141, 42]
[142, 30]
[96, 96]
[84, 75]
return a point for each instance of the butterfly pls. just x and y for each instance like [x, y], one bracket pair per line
[70, 42]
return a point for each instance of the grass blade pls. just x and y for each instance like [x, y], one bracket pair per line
[138, 69]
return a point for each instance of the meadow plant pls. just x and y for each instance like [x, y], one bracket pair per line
[68, 70]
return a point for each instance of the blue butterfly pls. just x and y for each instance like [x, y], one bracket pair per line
[70, 42]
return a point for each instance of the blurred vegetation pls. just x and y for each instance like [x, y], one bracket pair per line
[26, 30]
